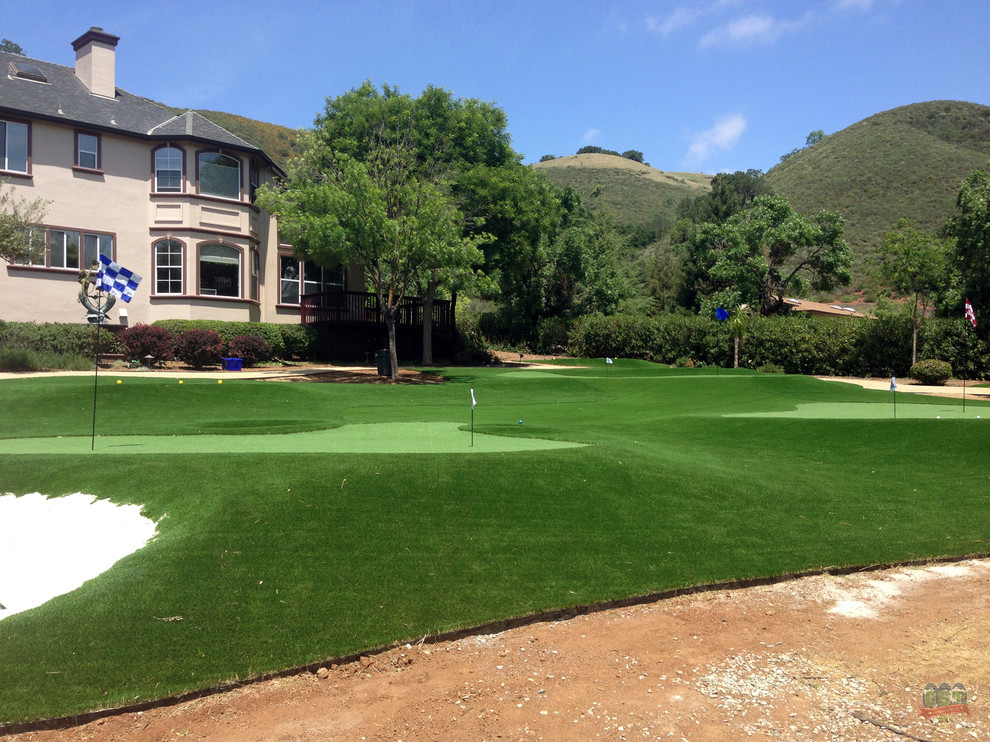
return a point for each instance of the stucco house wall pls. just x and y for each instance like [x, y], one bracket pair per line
[201, 256]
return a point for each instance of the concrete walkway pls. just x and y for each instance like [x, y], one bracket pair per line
[268, 372]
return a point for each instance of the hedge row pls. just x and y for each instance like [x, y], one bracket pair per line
[286, 341]
[57, 339]
[800, 344]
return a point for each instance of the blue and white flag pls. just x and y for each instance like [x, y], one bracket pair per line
[473, 400]
[116, 279]
[893, 383]
[608, 360]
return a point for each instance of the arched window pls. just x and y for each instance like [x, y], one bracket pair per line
[168, 170]
[219, 175]
[168, 267]
[219, 271]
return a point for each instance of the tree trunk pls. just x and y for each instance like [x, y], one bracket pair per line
[390, 313]
[914, 344]
[735, 352]
[431, 294]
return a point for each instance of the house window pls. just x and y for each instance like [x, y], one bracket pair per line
[63, 249]
[219, 271]
[94, 245]
[168, 170]
[168, 267]
[298, 278]
[87, 151]
[254, 178]
[255, 274]
[289, 277]
[13, 146]
[219, 175]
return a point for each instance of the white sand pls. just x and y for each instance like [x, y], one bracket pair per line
[51, 546]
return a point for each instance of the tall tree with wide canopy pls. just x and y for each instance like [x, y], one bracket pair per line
[465, 143]
[770, 250]
[388, 212]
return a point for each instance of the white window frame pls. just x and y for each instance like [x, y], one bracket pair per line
[175, 264]
[83, 152]
[5, 146]
[169, 153]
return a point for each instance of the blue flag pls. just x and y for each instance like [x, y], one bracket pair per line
[721, 315]
[116, 279]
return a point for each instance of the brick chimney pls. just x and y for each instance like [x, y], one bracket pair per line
[96, 65]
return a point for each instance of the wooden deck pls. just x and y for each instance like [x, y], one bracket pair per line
[352, 308]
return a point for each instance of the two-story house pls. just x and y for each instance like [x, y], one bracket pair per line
[168, 196]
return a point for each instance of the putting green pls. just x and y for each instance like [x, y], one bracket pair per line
[874, 411]
[442, 437]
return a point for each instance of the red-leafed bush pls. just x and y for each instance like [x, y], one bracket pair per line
[250, 348]
[198, 348]
[147, 340]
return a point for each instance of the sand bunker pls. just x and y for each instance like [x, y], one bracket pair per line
[51, 546]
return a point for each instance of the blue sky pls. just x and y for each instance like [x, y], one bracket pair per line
[697, 85]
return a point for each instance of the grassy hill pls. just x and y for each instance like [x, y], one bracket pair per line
[635, 194]
[906, 162]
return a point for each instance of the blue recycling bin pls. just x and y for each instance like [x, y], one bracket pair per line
[231, 364]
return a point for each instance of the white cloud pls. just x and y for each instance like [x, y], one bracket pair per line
[672, 22]
[753, 29]
[721, 137]
[590, 136]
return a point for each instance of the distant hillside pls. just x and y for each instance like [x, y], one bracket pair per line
[906, 162]
[635, 194]
[278, 142]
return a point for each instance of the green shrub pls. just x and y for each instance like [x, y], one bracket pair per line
[771, 368]
[199, 348]
[299, 341]
[229, 330]
[147, 340]
[931, 371]
[58, 338]
[684, 362]
[21, 359]
[251, 349]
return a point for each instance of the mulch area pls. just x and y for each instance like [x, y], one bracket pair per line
[364, 376]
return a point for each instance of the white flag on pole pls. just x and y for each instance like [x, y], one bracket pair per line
[608, 360]
[893, 383]
[473, 400]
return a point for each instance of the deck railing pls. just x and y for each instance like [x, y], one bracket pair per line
[361, 307]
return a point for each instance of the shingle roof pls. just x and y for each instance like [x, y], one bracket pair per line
[65, 99]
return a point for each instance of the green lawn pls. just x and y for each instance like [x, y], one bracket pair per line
[276, 558]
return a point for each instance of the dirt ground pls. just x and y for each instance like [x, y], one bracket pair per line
[823, 657]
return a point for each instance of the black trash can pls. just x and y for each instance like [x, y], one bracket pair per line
[384, 363]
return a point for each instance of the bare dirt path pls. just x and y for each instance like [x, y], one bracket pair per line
[824, 657]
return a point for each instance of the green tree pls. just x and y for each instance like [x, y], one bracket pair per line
[389, 212]
[730, 193]
[917, 266]
[633, 154]
[770, 250]
[970, 226]
[17, 216]
[6, 45]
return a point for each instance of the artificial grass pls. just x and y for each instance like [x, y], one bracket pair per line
[275, 559]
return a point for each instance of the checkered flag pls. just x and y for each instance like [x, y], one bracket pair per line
[116, 279]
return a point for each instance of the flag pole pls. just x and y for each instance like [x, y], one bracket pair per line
[964, 393]
[473, 403]
[96, 372]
